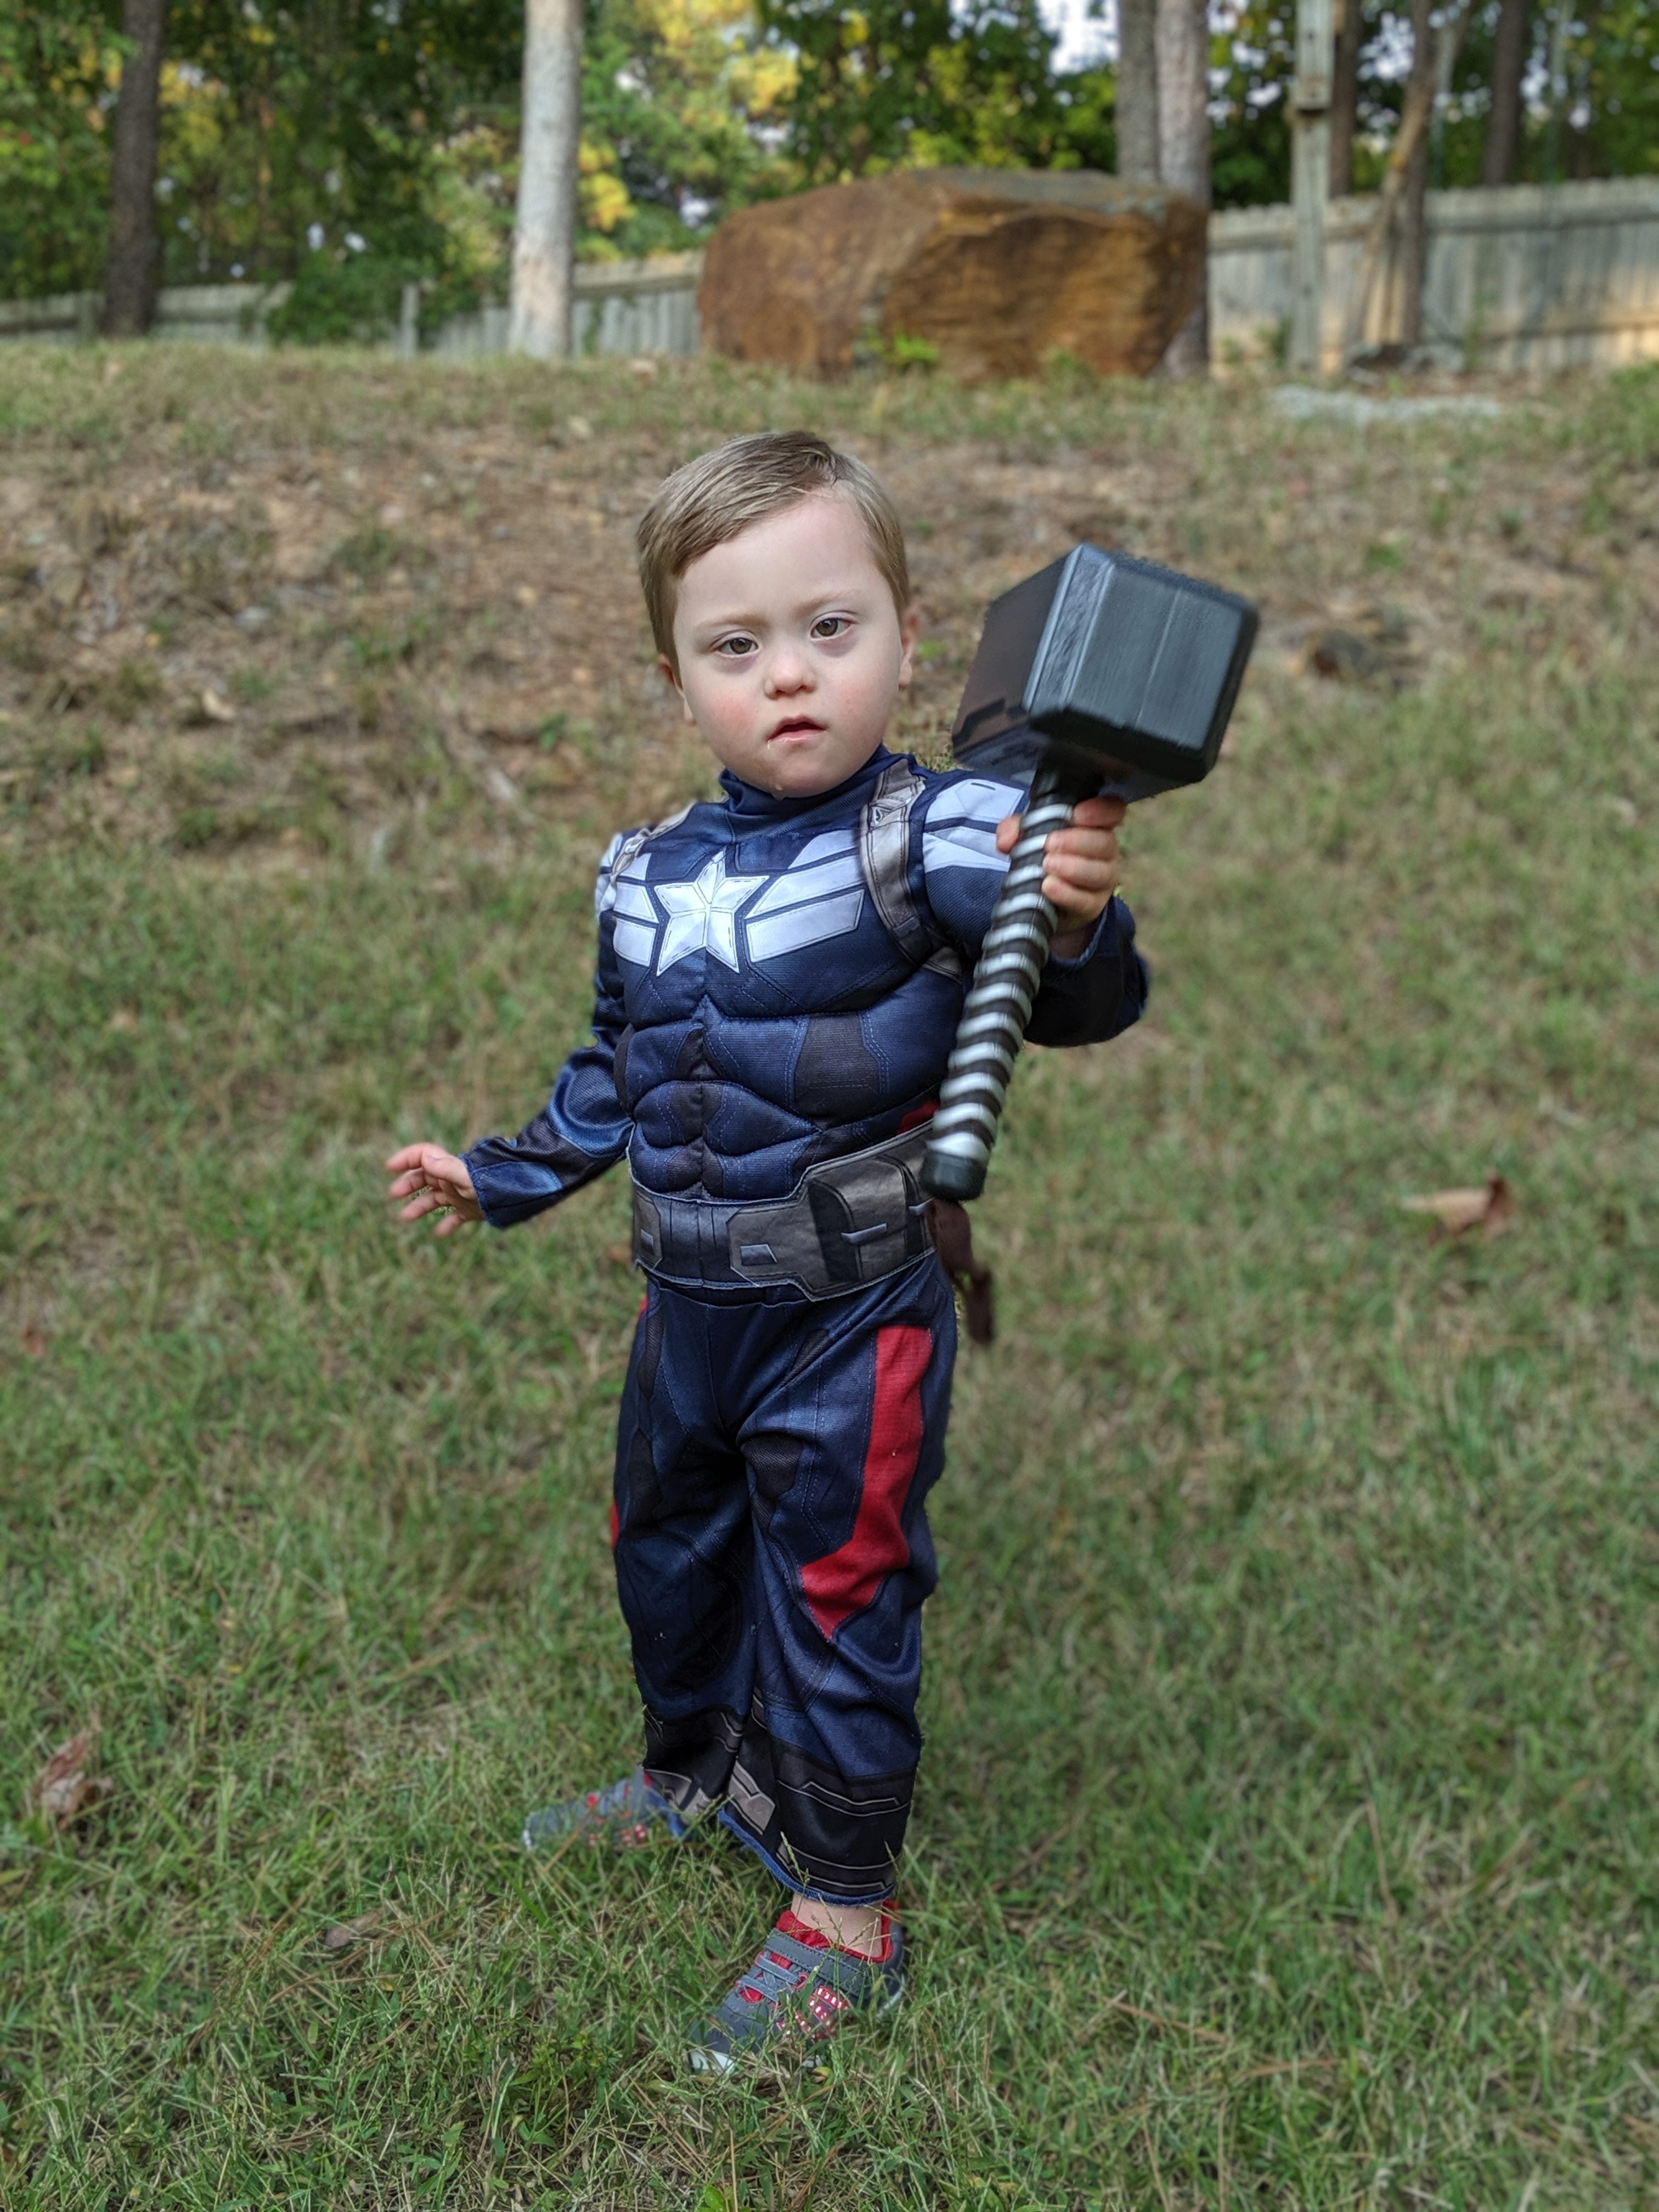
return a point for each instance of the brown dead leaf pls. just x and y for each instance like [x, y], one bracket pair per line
[66, 1789]
[123, 1021]
[216, 707]
[1490, 1207]
[34, 1343]
[345, 1933]
[619, 1256]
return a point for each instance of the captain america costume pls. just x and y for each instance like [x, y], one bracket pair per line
[778, 985]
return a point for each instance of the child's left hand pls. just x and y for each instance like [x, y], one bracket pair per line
[1081, 869]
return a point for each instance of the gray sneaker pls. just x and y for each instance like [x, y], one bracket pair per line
[795, 1997]
[628, 1813]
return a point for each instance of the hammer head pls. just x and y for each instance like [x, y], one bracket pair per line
[1122, 673]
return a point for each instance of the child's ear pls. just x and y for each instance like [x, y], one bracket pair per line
[665, 668]
[909, 630]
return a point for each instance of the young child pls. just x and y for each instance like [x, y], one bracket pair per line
[779, 976]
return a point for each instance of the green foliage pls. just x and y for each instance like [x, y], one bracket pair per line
[674, 93]
[341, 298]
[58, 66]
[348, 146]
[894, 83]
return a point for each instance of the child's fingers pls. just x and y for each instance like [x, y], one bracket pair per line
[1079, 838]
[1081, 870]
[1080, 888]
[1092, 819]
[409, 1156]
[1098, 814]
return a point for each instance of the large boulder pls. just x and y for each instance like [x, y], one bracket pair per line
[996, 268]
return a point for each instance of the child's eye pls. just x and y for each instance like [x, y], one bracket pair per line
[736, 646]
[830, 625]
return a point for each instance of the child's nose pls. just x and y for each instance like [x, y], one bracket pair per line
[787, 669]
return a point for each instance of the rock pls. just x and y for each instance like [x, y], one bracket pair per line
[993, 270]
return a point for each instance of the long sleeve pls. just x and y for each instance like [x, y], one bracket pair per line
[1082, 1000]
[583, 1130]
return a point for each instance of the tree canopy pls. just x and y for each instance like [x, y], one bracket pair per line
[351, 145]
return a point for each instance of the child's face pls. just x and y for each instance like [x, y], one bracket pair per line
[792, 654]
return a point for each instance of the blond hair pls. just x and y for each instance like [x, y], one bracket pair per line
[711, 500]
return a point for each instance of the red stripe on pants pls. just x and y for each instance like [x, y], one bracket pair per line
[845, 1580]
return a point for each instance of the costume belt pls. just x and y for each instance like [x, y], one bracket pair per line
[846, 1223]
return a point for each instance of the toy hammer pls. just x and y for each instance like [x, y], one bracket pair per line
[1099, 675]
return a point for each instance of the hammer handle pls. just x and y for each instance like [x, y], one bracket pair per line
[999, 1001]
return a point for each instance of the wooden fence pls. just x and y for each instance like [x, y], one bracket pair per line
[1531, 276]
[1535, 276]
[620, 307]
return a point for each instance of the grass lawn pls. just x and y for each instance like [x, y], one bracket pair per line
[1286, 1832]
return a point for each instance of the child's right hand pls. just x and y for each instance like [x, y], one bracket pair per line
[434, 1181]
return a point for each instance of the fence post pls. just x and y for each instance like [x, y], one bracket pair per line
[409, 322]
[1310, 164]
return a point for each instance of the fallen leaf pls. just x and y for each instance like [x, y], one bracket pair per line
[1490, 1207]
[500, 786]
[525, 594]
[124, 1020]
[345, 1933]
[66, 1789]
[35, 1344]
[216, 707]
[619, 1256]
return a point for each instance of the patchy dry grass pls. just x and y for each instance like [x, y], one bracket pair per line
[1286, 1830]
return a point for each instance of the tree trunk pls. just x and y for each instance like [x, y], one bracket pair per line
[1414, 225]
[129, 280]
[1344, 95]
[1409, 141]
[1509, 60]
[1137, 91]
[1183, 144]
[544, 226]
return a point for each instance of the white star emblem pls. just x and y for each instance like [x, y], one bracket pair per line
[704, 914]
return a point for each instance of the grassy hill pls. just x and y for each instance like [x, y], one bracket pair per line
[1286, 1832]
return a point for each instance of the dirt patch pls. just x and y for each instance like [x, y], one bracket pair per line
[250, 641]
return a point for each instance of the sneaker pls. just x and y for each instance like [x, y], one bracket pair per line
[627, 1814]
[800, 1991]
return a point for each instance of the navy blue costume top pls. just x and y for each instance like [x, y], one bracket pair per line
[764, 1002]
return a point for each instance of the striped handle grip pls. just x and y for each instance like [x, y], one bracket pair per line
[999, 1002]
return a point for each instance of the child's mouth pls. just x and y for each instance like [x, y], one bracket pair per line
[798, 725]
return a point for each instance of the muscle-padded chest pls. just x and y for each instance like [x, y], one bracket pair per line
[773, 1015]
[777, 921]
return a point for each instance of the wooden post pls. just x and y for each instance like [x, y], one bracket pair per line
[1311, 170]
[1183, 147]
[544, 226]
[1137, 91]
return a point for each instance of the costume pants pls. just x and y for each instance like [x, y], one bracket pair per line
[773, 1556]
